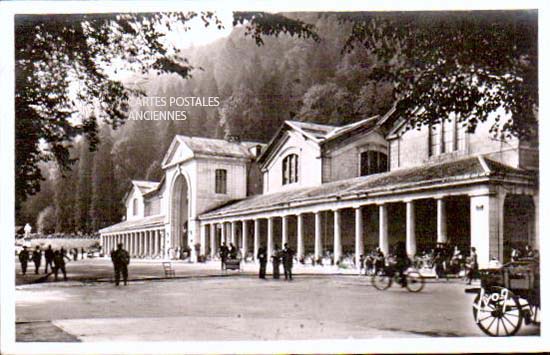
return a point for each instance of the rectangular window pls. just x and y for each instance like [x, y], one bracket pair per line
[290, 169]
[446, 137]
[221, 181]
[373, 162]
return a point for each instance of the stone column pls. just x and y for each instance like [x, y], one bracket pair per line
[318, 243]
[441, 221]
[410, 228]
[234, 233]
[163, 246]
[141, 243]
[383, 241]
[300, 236]
[204, 228]
[213, 246]
[270, 236]
[245, 237]
[359, 244]
[222, 225]
[284, 230]
[256, 237]
[337, 237]
[147, 243]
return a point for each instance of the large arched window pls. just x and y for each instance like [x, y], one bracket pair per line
[134, 207]
[290, 169]
[373, 162]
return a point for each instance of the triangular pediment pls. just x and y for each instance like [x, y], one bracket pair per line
[177, 152]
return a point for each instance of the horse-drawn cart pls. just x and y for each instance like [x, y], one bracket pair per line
[508, 297]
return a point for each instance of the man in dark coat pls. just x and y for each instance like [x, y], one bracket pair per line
[37, 258]
[262, 258]
[288, 257]
[224, 253]
[48, 256]
[121, 260]
[24, 259]
[59, 263]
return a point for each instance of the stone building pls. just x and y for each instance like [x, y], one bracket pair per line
[338, 191]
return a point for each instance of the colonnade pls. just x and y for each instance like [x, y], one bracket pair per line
[228, 228]
[140, 244]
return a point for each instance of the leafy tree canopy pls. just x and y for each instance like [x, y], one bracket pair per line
[469, 63]
[66, 67]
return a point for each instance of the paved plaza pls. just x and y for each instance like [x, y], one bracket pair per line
[206, 304]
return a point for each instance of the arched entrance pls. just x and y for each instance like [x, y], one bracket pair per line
[519, 223]
[179, 214]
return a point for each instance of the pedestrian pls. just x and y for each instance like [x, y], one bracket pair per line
[288, 258]
[472, 266]
[262, 258]
[24, 259]
[224, 251]
[82, 253]
[37, 258]
[121, 260]
[59, 263]
[276, 261]
[48, 256]
[232, 251]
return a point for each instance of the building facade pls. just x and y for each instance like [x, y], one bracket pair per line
[338, 192]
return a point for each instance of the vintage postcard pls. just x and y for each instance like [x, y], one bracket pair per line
[261, 178]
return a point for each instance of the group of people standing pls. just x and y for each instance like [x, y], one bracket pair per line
[284, 256]
[55, 260]
[230, 252]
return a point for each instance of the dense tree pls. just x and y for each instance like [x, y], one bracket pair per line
[469, 63]
[106, 200]
[84, 188]
[46, 221]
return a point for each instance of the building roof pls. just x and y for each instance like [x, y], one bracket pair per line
[145, 186]
[426, 175]
[135, 224]
[316, 131]
[218, 147]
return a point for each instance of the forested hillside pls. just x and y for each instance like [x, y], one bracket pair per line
[258, 88]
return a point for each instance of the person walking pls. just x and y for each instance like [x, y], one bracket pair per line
[24, 259]
[224, 252]
[121, 260]
[262, 258]
[59, 263]
[48, 256]
[37, 258]
[288, 258]
[276, 261]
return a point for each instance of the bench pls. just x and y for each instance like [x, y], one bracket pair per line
[233, 264]
[168, 271]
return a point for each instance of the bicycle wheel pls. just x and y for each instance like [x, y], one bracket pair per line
[381, 281]
[415, 281]
[498, 313]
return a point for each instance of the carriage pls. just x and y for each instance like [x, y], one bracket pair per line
[508, 297]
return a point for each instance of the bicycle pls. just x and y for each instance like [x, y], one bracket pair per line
[385, 278]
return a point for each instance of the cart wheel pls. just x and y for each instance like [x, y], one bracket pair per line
[415, 281]
[381, 281]
[498, 313]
